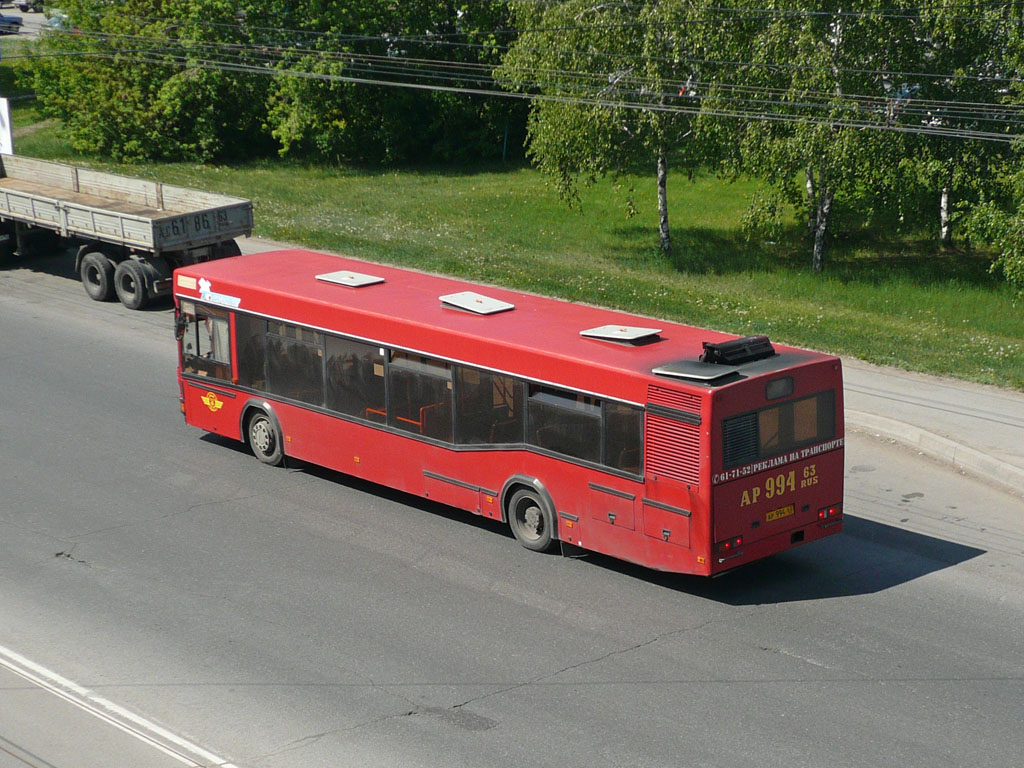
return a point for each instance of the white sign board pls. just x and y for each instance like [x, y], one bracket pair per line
[6, 134]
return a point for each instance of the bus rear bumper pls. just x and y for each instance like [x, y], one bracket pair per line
[775, 544]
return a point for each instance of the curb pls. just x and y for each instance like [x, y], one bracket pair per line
[941, 448]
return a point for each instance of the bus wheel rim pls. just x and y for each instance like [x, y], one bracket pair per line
[261, 436]
[532, 521]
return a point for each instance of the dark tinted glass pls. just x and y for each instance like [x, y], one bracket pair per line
[420, 395]
[623, 436]
[489, 408]
[565, 422]
[294, 368]
[355, 379]
[252, 351]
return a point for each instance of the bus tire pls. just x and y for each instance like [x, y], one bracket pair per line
[264, 439]
[97, 274]
[130, 284]
[531, 522]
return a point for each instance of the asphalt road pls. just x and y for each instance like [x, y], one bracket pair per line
[296, 617]
[31, 22]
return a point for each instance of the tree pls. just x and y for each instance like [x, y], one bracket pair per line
[608, 82]
[997, 219]
[205, 79]
[804, 88]
[966, 58]
[326, 102]
[132, 80]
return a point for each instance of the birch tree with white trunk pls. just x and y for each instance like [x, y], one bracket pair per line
[608, 82]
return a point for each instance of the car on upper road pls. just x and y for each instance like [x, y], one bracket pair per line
[10, 25]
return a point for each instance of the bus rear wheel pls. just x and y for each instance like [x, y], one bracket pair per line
[264, 439]
[531, 522]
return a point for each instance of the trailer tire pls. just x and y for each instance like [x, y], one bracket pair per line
[97, 274]
[227, 249]
[8, 244]
[130, 284]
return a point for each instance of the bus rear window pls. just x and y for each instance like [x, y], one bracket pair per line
[778, 429]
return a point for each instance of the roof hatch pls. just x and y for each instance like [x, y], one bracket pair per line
[349, 278]
[622, 334]
[476, 303]
[695, 370]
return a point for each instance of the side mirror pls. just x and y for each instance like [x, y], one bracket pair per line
[180, 322]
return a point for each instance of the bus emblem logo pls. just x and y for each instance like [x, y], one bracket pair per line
[212, 402]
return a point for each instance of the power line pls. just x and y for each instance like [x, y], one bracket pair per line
[831, 121]
[624, 91]
[437, 39]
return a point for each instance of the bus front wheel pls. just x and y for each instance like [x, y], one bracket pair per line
[264, 439]
[532, 523]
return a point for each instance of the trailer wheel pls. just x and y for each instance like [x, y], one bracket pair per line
[264, 439]
[228, 248]
[530, 521]
[97, 273]
[130, 284]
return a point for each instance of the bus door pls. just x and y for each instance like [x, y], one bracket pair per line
[204, 339]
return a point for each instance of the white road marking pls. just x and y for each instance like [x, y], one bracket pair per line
[169, 743]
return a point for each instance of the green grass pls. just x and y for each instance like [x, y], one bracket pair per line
[24, 111]
[899, 301]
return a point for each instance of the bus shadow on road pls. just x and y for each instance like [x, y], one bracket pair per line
[868, 557]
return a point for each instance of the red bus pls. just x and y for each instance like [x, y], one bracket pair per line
[676, 448]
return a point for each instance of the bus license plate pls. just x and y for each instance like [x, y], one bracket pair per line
[778, 514]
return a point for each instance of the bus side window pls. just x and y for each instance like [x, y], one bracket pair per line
[251, 341]
[355, 378]
[489, 408]
[206, 341]
[295, 365]
[565, 422]
[420, 395]
[623, 436]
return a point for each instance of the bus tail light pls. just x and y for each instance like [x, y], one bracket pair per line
[729, 545]
[828, 513]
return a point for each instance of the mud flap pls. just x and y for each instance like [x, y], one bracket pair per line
[572, 551]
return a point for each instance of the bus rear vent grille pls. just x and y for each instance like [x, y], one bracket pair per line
[673, 449]
[739, 440]
[683, 401]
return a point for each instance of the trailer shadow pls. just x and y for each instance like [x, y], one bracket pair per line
[60, 263]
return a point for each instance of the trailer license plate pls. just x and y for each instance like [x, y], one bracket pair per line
[778, 514]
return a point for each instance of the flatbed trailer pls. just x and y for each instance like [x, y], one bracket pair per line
[130, 233]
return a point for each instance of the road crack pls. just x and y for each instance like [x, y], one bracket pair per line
[586, 662]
